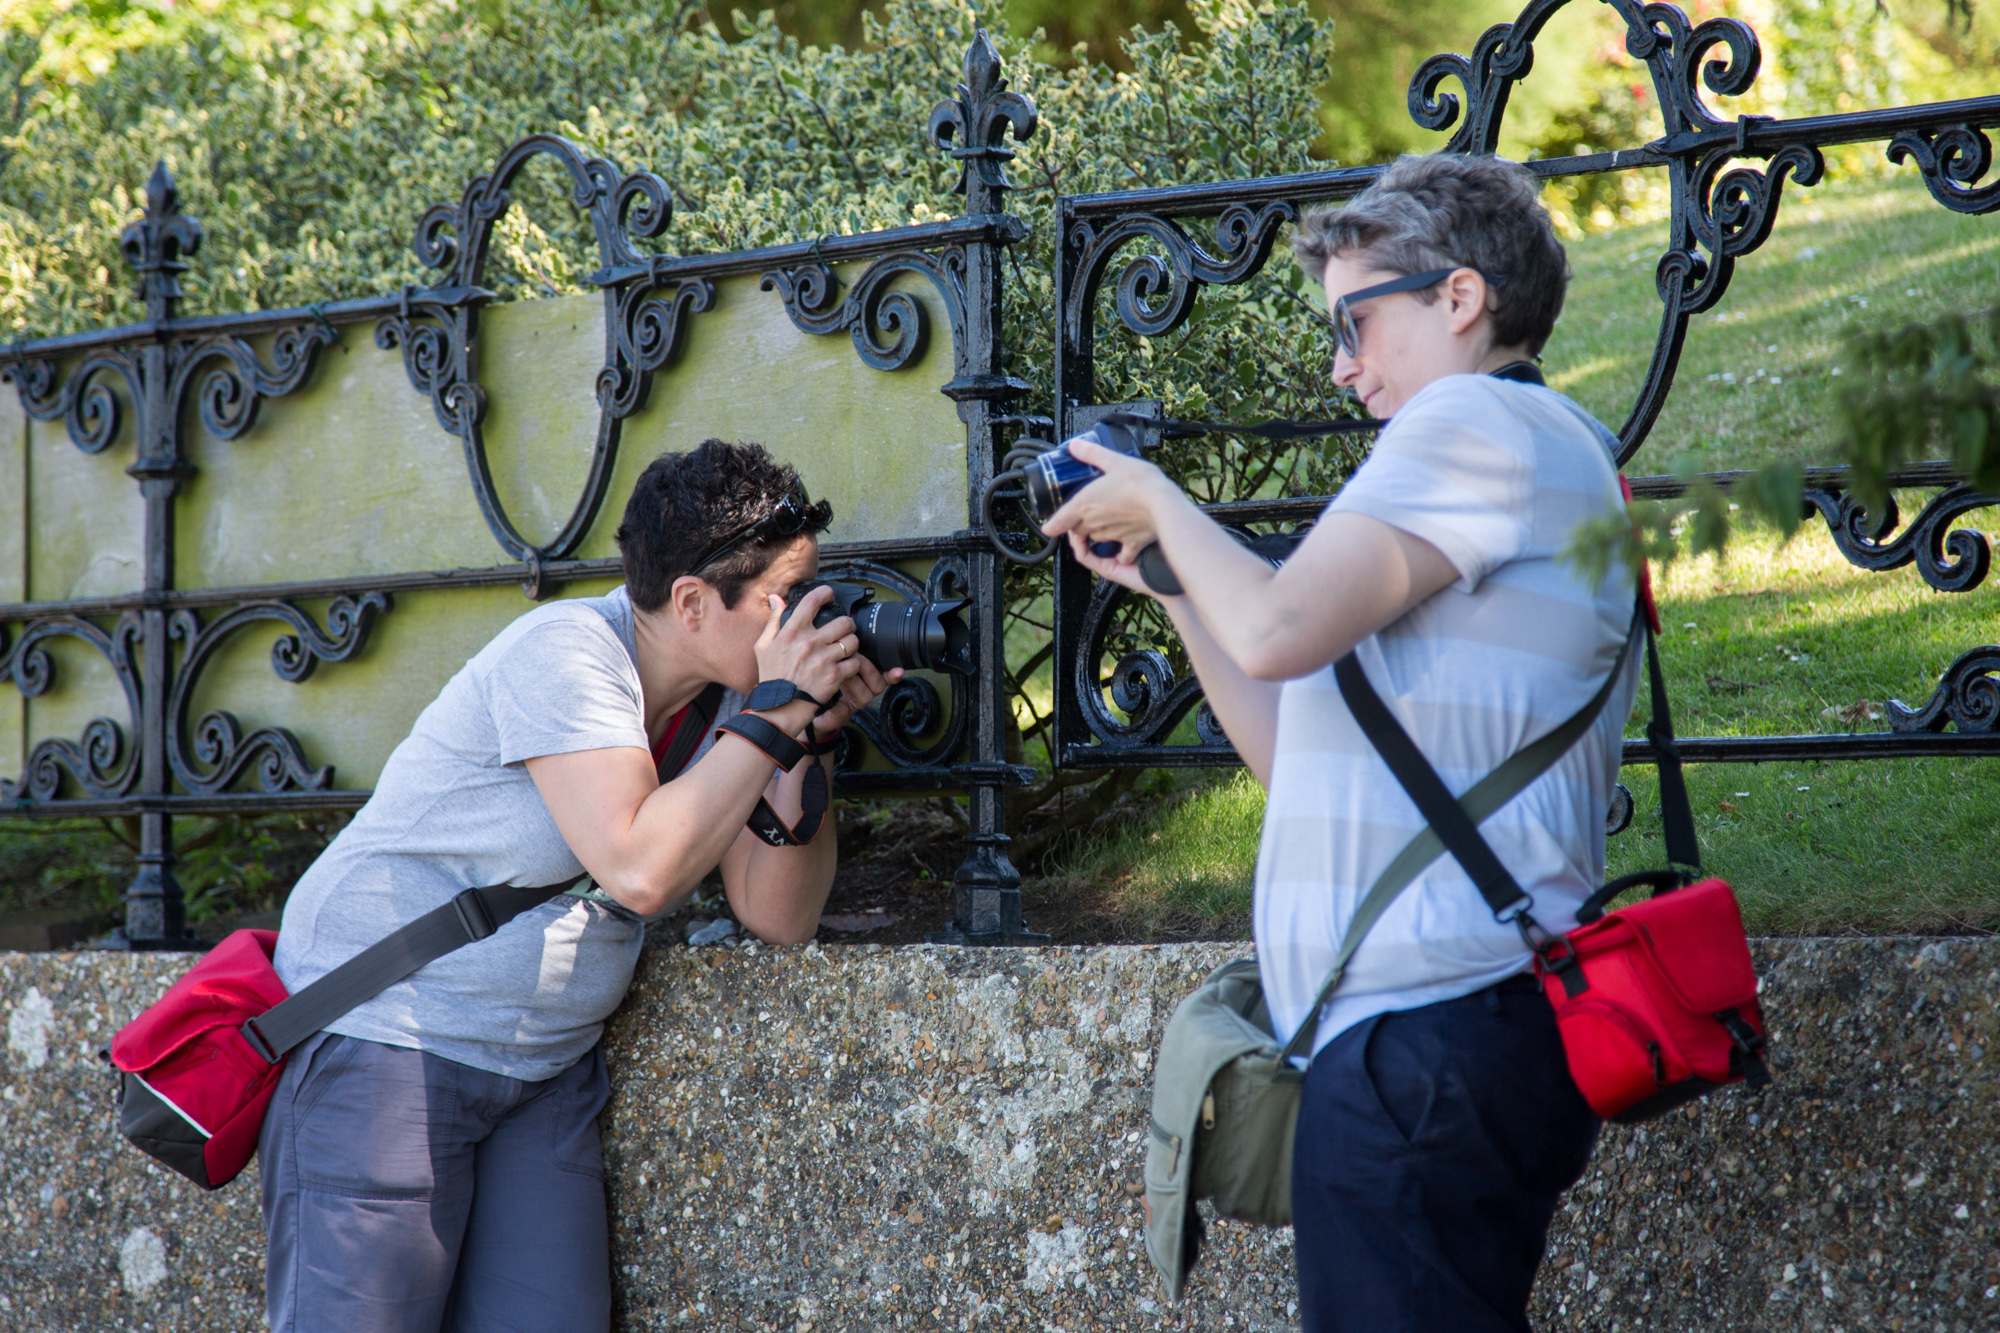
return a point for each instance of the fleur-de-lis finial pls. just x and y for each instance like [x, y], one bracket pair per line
[974, 128]
[157, 245]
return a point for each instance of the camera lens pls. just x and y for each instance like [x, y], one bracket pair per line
[917, 636]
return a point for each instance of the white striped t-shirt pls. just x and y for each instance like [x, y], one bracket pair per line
[1495, 474]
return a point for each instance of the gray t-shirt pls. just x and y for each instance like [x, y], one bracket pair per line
[455, 809]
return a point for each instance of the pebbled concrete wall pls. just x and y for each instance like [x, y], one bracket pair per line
[865, 1138]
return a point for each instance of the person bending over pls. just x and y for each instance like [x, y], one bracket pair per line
[431, 1160]
[1438, 1122]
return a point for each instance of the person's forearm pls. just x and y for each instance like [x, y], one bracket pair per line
[684, 827]
[1246, 708]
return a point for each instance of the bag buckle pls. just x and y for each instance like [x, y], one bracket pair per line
[258, 1041]
[1554, 954]
[473, 915]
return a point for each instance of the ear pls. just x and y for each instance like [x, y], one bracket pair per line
[1466, 291]
[687, 600]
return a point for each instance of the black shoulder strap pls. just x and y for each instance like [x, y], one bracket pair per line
[700, 714]
[1676, 816]
[1448, 818]
[471, 916]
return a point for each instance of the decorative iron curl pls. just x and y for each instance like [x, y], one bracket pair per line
[888, 327]
[215, 753]
[644, 334]
[1949, 560]
[436, 326]
[232, 390]
[98, 763]
[1967, 697]
[1674, 52]
[1501, 58]
[1143, 684]
[1156, 296]
[1952, 160]
[89, 409]
[456, 239]
[974, 128]
[912, 708]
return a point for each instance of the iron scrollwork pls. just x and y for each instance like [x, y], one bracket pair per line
[100, 762]
[1952, 160]
[1967, 697]
[912, 709]
[888, 326]
[211, 756]
[157, 245]
[1949, 560]
[1155, 296]
[437, 326]
[1144, 685]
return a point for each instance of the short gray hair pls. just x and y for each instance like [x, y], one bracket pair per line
[1447, 210]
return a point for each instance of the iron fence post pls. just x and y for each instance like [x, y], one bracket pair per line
[986, 890]
[156, 246]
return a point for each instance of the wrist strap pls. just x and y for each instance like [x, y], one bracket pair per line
[764, 821]
[815, 746]
[780, 748]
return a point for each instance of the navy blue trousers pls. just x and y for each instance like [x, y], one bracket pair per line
[1433, 1145]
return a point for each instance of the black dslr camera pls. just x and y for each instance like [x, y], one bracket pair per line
[917, 636]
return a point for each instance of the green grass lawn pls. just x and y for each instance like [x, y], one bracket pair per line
[1773, 640]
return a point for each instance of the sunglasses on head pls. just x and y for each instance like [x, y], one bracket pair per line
[1344, 330]
[787, 518]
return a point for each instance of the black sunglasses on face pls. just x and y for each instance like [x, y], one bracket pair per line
[1344, 331]
[789, 516]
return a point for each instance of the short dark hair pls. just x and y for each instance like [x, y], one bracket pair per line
[684, 504]
[1447, 210]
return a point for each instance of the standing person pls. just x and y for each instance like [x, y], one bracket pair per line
[1438, 1123]
[431, 1160]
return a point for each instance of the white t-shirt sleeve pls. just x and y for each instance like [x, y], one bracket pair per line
[564, 685]
[1456, 468]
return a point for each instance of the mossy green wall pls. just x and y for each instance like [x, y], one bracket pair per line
[354, 476]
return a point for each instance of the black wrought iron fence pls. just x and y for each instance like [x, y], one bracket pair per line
[134, 389]
[131, 391]
[1727, 179]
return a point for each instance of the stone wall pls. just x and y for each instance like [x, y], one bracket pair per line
[864, 1138]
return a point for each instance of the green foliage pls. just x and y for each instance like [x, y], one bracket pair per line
[1911, 386]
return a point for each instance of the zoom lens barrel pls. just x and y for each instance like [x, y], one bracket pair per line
[917, 636]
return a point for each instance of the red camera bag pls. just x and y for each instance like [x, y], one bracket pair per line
[1656, 1002]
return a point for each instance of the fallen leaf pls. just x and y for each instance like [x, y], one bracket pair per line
[1854, 714]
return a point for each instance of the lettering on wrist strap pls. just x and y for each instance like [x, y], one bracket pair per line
[764, 821]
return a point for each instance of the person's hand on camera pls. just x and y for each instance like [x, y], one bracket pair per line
[1118, 506]
[856, 693]
[1121, 569]
[818, 659]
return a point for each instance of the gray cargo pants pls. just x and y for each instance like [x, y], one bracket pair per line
[405, 1193]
